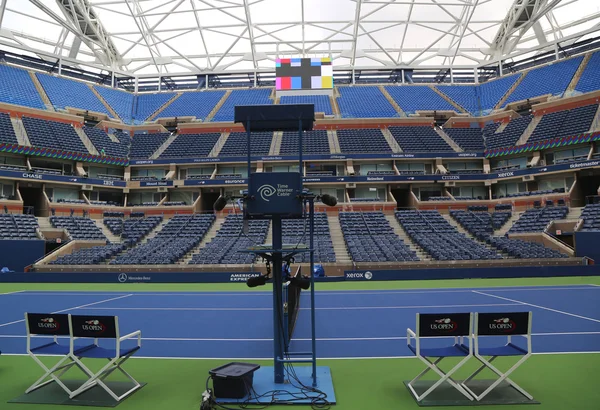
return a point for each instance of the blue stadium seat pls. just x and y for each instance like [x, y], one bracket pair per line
[147, 104]
[314, 142]
[237, 144]
[144, 145]
[18, 227]
[464, 95]
[419, 139]
[321, 102]
[120, 101]
[193, 103]
[78, 227]
[590, 78]
[491, 92]
[17, 87]
[509, 136]
[64, 92]
[362, 140]
[469, 139]
[52, 134]
[102, 142]
[191, 145]
[536, 219]
[242, 97]
[364, 102]
[418, 97]
[7, 131]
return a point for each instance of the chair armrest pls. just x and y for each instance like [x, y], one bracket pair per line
[410, 335]
[137, 333]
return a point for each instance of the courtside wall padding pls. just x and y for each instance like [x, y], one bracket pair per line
[16, 254]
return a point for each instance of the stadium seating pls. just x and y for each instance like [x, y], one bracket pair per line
[242, 97]
[442, 241]
[78, 227]
[144, 145]
[463, 95]
[481, 224]
[321, 102]
[354, 140]
[7, 131]
[16, 87]
[237, 144]
[194, 103]
[509, 136]
[120, 101]
[147, 104]
[370, 238]
[90, 256]
[518, 248]
[418, 97]
[132, 230]
[314, 142]
[564, 123]
[536, 219]
[191, 145]
[18, 227]
[296, 231]
[439, 198]
[419, 139]
[590, 78]
[537, 81]
[102, 142]
[179, 236]
[591, 217]
[225, 247]
[64, 93]
[364, 102]
[469, 139]
[51, 134]
[491, 92]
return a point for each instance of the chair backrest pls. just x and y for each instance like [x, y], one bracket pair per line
[503, 323]
[52, 324]
[97, 327]
[444, 324]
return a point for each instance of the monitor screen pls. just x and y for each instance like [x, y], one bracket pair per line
[304, 73]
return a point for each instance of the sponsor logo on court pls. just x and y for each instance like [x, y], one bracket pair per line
[266, 191]
[444, 325]
[122, 277]
[242, 277]
[366, 275]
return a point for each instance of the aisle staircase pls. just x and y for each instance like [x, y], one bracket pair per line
[399, 230]
[337, 238]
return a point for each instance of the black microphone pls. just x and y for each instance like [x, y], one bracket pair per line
[329, 200]
[257, 281]
[220, 203]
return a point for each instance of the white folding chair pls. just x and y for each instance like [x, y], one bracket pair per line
[506, 325]
[456, 325]
[102, 327]
[48, 327]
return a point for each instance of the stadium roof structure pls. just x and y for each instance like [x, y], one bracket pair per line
[176, 37]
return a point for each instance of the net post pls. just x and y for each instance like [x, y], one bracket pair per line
[311, 215]
[278, 341]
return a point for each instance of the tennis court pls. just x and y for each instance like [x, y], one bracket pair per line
[351, 324]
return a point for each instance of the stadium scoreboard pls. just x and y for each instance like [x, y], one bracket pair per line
[303, 74]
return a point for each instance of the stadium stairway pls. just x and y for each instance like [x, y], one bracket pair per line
[337, 238]
[393, 102]
[154, 232]
[217, 107]
[334, 143]
[448, 140]
[112, 112]
[398, 230]
[20, 132]
[529, 130]
[212, 232]
[164, 146]
[449, 100]
[391, 140]
[214, 152]
[41, 91]
[514, 218]
[276, 143]
[111, 236]
[578, 74]
[574, 214]
[334, 107]
[596, 122]
[86, 141]
[156, 113]
[462, 230]
[509, 91]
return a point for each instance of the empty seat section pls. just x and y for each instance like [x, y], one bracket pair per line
[369, 237]
[481, 224]
[296, 231]
[491, 92]
[419, 139]
[548, 126]
[469, 139]
[102, 142]
[144, 145]
[191, 145]
[78, 227]
[321, 102]
[579, 120]
[18, 226]
[536, 219]
[132, 230]
[313, 142]
[364, 102]
[509, 136]
[417, 97]
[518, 248]
[90, 256]
[237, 144]
[590, 78]
[440, 239]
[193, 104]
[178, 237]
[242, 97]
[463, 95]
[17, 87]
[120, 101]
[64, 93]
[51, 134]
[147, 104]
[362, 140]
[591, 218]
[7, 131]
[225, 247]
[551, 79]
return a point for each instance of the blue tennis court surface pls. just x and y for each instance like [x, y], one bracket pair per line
[350, 324]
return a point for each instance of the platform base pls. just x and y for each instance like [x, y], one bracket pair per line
[270, 393]
[446, 395]
[94, 397]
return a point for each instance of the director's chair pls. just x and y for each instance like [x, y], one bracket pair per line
[102, 327]
[42, 326]
[505, 325]
[444, 325]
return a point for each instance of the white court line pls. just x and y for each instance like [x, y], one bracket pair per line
[73, 308]
[211, 309]
[539, 307]
[12, 293]
[321, 339]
